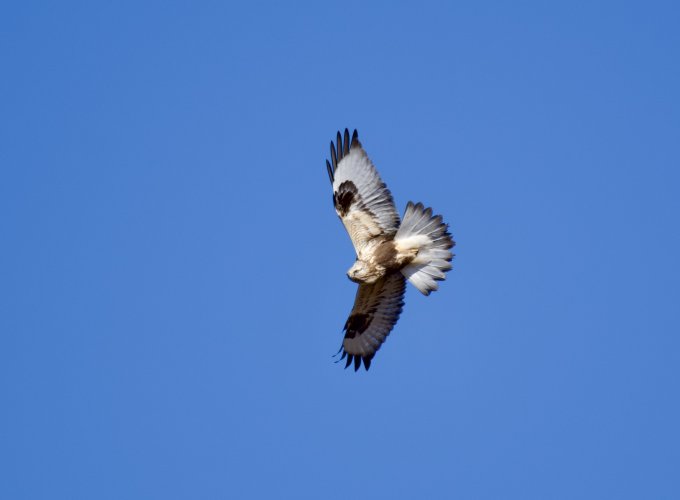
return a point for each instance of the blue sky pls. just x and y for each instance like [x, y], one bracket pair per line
[172, 280]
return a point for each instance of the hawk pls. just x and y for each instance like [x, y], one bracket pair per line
[388, 251]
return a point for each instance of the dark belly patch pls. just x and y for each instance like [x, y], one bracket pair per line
[386, 256]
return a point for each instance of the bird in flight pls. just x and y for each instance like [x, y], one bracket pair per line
[388, 251]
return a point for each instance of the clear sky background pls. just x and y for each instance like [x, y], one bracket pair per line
[172, 272]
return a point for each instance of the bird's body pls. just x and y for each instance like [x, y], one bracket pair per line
[388, 251]
[379, 256]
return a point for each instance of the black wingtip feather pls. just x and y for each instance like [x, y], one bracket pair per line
[341, 148]
[330, 171]
[339, 145]
[341, 350]
[354, 359]
[334, 157]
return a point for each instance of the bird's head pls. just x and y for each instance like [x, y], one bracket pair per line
[360, 272]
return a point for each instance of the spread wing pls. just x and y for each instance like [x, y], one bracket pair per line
[376, 310]
[361, 199]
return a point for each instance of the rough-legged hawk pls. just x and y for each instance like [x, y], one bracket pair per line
[388, 252]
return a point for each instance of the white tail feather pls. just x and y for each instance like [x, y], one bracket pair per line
[420, 229]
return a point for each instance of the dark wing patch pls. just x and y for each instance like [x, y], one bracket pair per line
[377, 308]
[344, 197]
[357, 324]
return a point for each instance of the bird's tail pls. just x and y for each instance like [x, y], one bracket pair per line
[428, 234]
